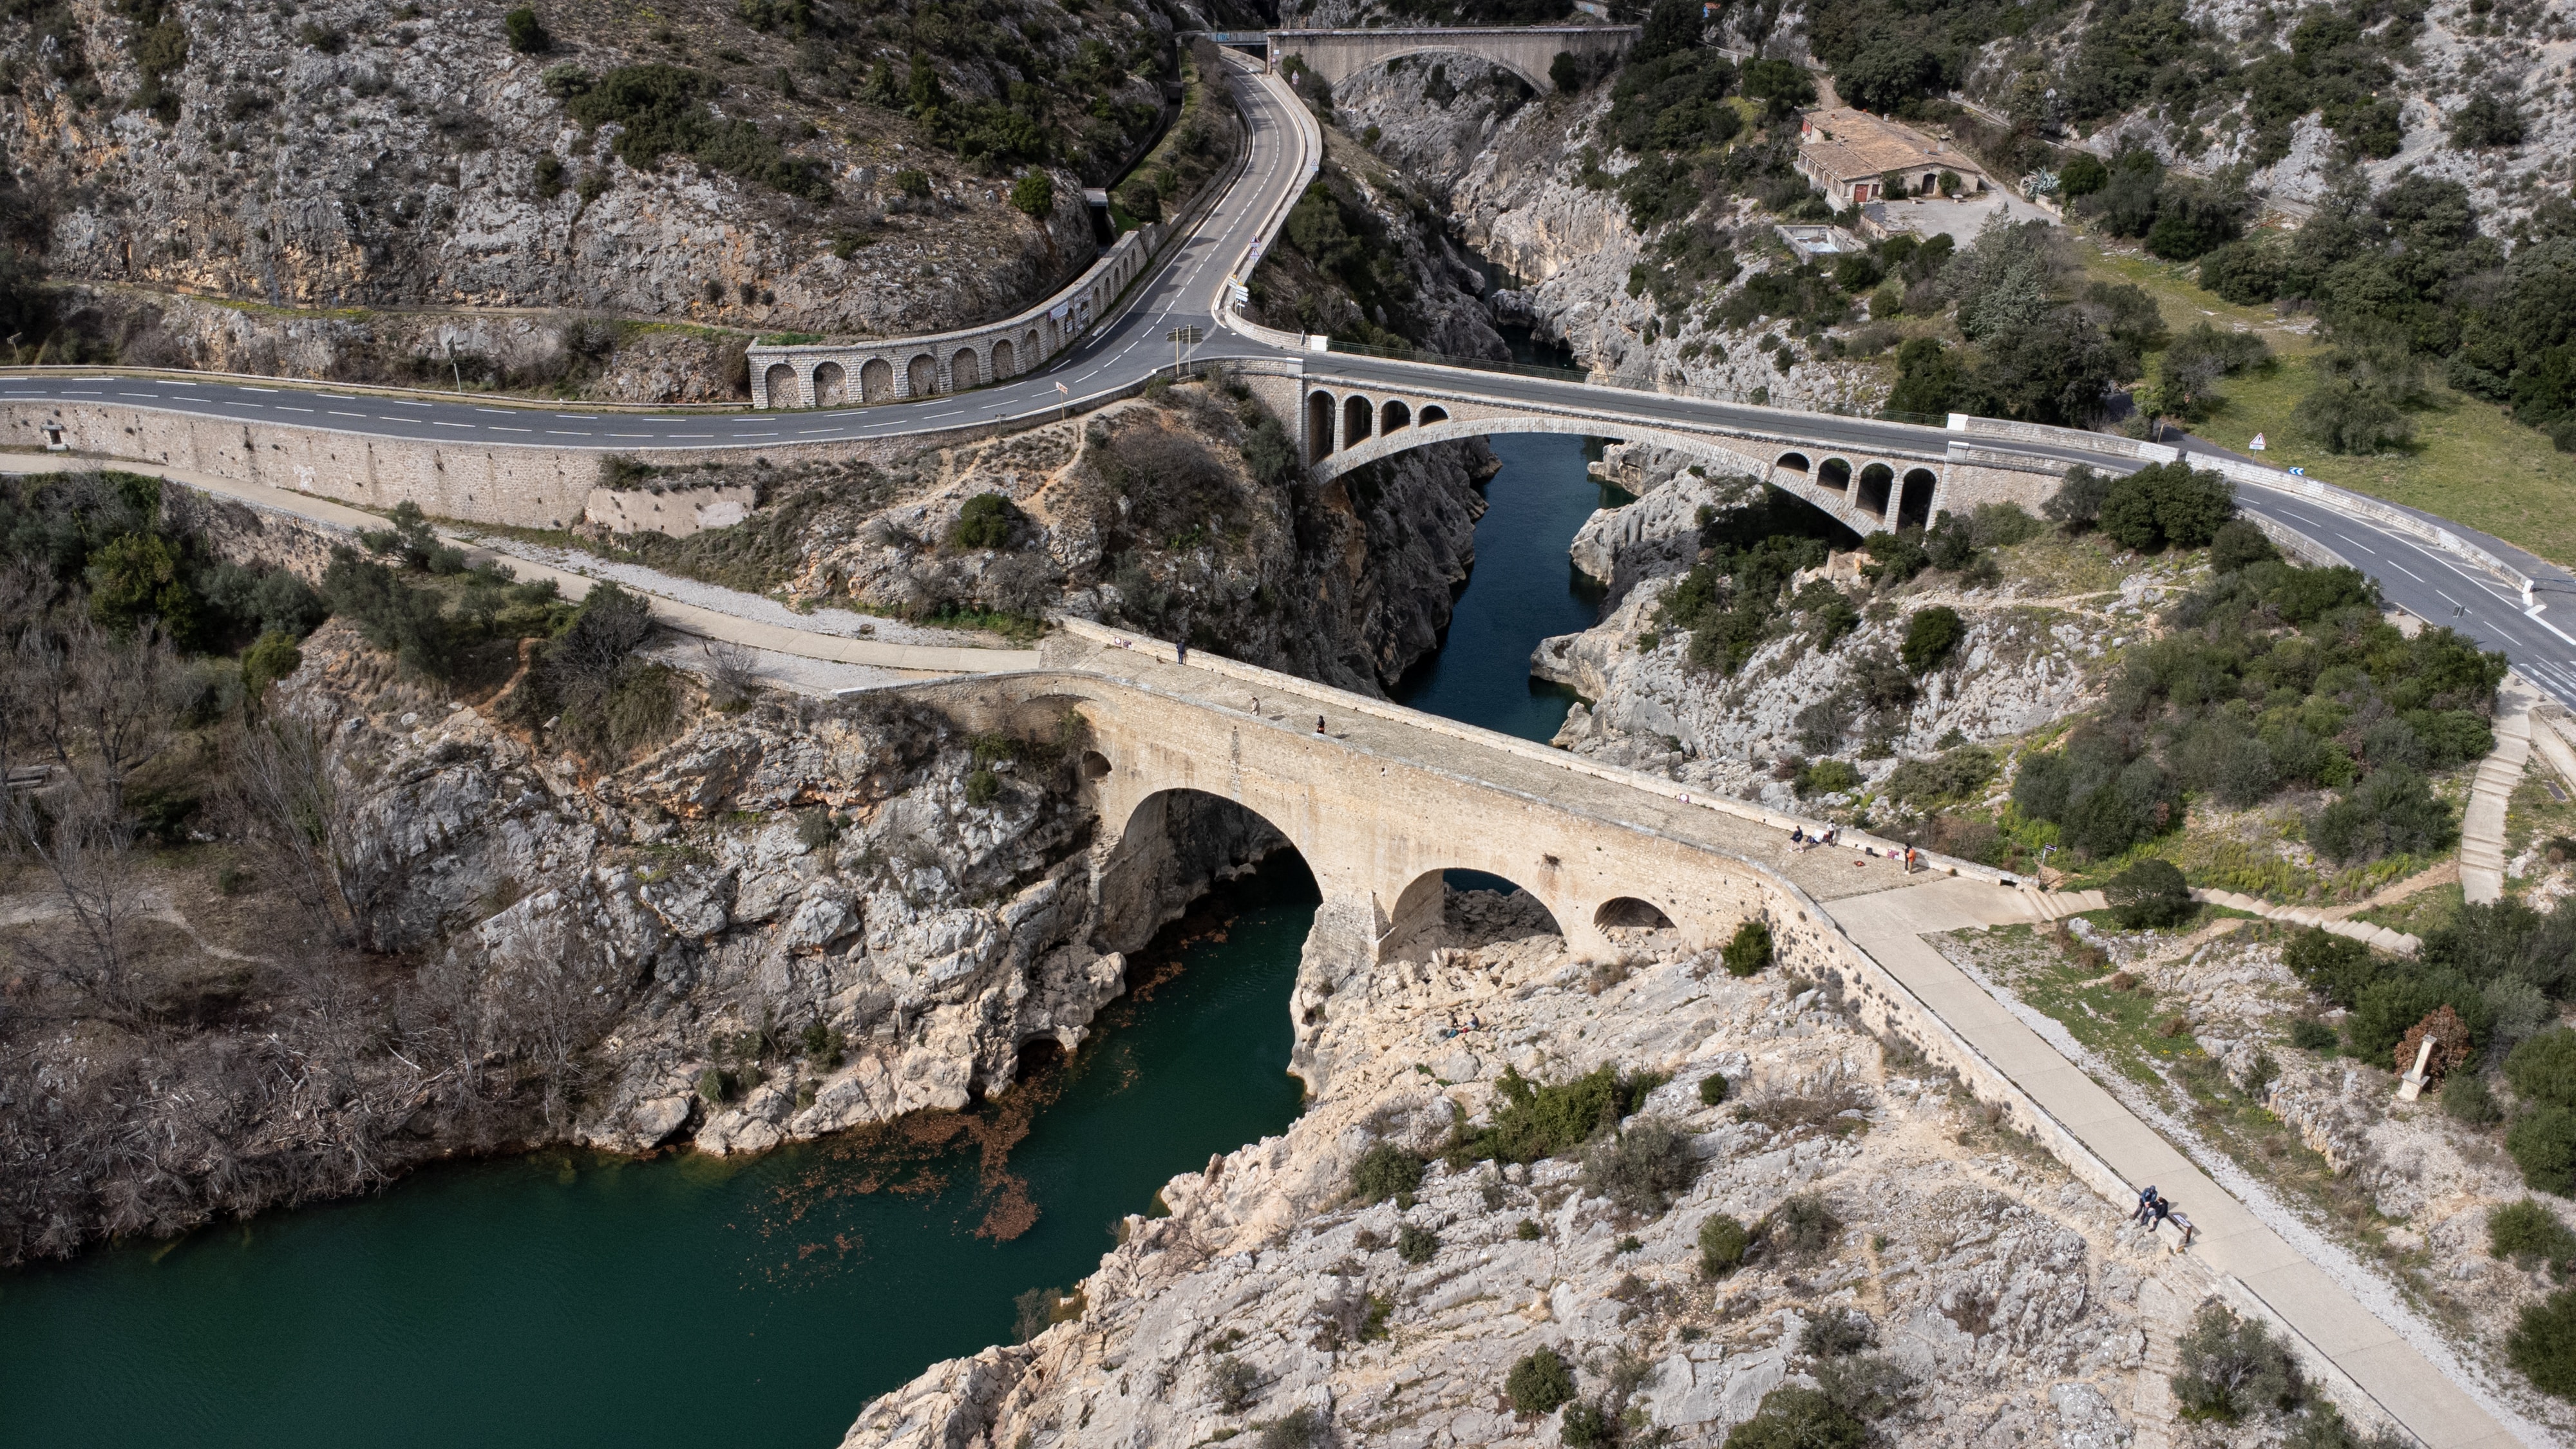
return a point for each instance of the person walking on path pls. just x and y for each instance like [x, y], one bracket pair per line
[1319, 724]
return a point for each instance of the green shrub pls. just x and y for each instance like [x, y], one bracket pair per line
[1034, 194]
[2465, 1096]
[2335, 967]
[1801, 1227]
[2391, 1005]
[714, 1085]
[2391, 812]
[1837, 1335]
[2542, 1142]
[2238, 544]
[986, 521]
[1798, 1418]
[1385, 1171]
[1534, 1120]
[981, 786]
[2543, 1344]
[1826, 777]
[1722, 1243]
[2310, 1035]
[273, 657]
[2231, 1367]
[2167, 504]
[1529, 1231]
[2543, 1068]
[1587, 1426]
[526, 36]
[1235, 1384]
[1540, 1382]
[1930, 636]
[1749, 951]
[1641, 1168]
[2151, 893]
[1297, 1429]
[1712, 1089]
[2531, 1235]
[1416, 1245]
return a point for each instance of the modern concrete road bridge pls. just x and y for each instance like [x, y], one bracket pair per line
[1527, 51]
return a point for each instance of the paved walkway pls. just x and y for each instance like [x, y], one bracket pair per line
[687, 618]
[2482, 847]
[1890, 925]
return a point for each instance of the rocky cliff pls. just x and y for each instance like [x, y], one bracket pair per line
[325, 172]
[1897, 1241]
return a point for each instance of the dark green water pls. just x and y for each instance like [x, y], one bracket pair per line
[573, 1300]
[561, 1300]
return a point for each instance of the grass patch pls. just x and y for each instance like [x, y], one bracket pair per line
[2470, 461]
[2426, 910]
[2538, 808]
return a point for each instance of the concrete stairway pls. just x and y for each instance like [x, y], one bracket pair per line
[2482, 847]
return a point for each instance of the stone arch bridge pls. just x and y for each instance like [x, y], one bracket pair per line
[1525, 50]
[1867, 474]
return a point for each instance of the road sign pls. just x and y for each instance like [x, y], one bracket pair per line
[2255, 446]
[2298, 472]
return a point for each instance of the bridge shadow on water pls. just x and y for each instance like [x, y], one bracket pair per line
[565, 1298]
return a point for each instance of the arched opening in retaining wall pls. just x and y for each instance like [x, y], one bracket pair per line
[1914, 506]
[1875, 480]
[1393, 416]
[963, 372]
[922, 375]
[1319, 426]
[1834, 473]
[1463, 908]
[1355, 421]
[831, 385]
[876, 380]
[1434, 414]
[1003, 364]
[1630, 913]
[1792, 462]
[782, 385]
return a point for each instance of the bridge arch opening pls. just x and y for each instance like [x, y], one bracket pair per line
[1393, 416]
[876, 380]
[1875, 480]
[1453, 907]
[1356, 413]
[782, 385]
[1632, 914]
[1434, 413]
[1792, 462]
[1914, 505]
[1095, 765]
[831, 385]
[1319, 426]
[1834, 473]
[963, 371]
[922, 375]
[1174, 847]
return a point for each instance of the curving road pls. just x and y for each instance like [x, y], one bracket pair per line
[2538, 633]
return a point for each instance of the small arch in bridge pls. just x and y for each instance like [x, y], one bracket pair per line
[1465, 908]
[1631, 913]
[1095, 765]
[831, 385]
[1434, 413]
[1914, 505]
[1356, 414]
[923, 375]
[1875, 480]
[1834, 474]
[1393, 416]
[876, 380]
[1793, 462]
[1002, 359]
[782, 385]
[1319, 426]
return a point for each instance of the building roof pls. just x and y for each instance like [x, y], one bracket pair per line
[1849, 145]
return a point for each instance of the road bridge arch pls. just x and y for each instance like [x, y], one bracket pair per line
[1525, 50]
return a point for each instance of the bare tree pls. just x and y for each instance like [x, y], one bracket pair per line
[286, 803]
[733, 669]
[87, 846]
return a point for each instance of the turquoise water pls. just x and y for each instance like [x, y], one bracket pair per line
[566, 1299]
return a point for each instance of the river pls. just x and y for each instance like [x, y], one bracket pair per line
[566, 1298]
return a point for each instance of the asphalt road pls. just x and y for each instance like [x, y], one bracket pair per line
[1180, 294]
[2411, 574]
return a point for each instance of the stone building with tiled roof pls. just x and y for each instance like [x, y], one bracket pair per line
[1849, 155]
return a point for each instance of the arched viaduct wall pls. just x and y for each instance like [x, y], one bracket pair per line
[1526, 50]
[832, 374]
